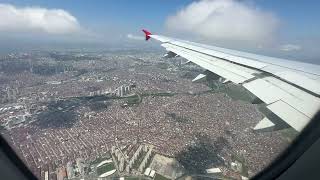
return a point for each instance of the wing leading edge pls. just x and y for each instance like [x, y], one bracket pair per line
[290, 89]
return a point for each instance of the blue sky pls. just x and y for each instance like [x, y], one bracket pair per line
[293, 25]
[122, 13]
[136, 14]
[299, 17]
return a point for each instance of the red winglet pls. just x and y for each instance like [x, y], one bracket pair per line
[147, 33]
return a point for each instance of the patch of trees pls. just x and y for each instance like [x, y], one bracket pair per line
[14, 66]
[98, 106]
[177, 118]
[202, 155]
[62, 113]
[47, 70]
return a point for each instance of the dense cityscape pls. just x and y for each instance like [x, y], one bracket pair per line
[128, 114]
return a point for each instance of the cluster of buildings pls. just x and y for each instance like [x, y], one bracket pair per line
[9, 95]
[14, 115]
[64, 150]
[72, 170]
[80, 169]
[123, 90]
[12, 93]
[127, 156]
[120, 91]
[98, 93]
[150, 172]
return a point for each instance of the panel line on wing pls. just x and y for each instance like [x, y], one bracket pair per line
[206, 62]
[221, 72]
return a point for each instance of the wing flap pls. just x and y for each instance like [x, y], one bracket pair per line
[271, 90]
[300, 80]
[289, 114]
[264, 91]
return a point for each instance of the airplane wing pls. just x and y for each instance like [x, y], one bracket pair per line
[290, 89]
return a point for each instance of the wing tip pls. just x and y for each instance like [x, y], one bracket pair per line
[147, 34]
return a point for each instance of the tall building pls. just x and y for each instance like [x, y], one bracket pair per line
[62, 173]
[80, 164]
[8, 90]
[70, 171]
[121, 91]
[12, 93]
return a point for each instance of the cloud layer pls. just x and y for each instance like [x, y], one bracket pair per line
[224, 20]
[290, 47]
[134, 37]
[35, 19]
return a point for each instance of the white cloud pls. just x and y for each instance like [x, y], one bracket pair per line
[290, 47]
[36, 19]
[224, 20]
[134, 37]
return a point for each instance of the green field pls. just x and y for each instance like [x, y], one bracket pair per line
[162, 65]
[158, 94]
[160, 177]
[105, 168]
[100, 159]
[135, 99]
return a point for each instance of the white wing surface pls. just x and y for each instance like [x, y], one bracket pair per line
[290, 89]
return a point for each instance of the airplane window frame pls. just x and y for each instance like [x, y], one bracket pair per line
[308, 136]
